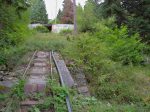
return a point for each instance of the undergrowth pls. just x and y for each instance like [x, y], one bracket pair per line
[36, 41]
[12, 99]
[114, 63]
[115, 67]
[54, 99]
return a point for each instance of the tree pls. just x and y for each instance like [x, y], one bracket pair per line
[138, 18]
[20, 5]
[59, 15]
[80, 12]
[10, 21]
[39, 13]
[67, 17]
[14, 22]
[112, 8]
[133, 13]
[86, 17]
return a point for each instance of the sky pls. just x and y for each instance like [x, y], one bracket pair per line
[51, 7]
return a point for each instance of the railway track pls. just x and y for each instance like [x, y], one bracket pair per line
[40, 68]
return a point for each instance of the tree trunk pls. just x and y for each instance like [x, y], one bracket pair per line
[75, 21]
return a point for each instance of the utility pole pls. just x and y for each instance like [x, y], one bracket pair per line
[75, 17]
[56, 13]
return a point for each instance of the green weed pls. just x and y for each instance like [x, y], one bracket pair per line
[42, 29]
[18, 90]
[59, 95]
[12, 100]
[66, 32]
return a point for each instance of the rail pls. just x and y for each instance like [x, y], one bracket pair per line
[69, 107]
[28, 66]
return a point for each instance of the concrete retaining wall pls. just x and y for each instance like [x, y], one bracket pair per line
[57, 28]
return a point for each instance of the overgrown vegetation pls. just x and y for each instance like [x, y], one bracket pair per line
[11, 100]
[114, 60]
[13, 29]
[40, 41]
[115, 66]
[118, 85]
[132, 13]
[111, 81]
[109, 48]
[55, 98]
[115, 45]
[42, 29]
[66, 32]
[13, 26]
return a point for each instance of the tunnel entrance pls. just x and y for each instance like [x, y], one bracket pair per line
[48, 26]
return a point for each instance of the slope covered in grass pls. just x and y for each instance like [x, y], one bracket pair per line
[116, 85]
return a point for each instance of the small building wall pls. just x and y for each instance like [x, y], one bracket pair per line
[57, 28]
[32, 26]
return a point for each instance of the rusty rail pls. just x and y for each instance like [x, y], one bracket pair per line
[27, 68]
[68, 103]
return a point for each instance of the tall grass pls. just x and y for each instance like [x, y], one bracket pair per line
[36, 41]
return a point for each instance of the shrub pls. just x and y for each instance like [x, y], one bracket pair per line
[120, 47]
[66, 31]
[119, 91]
[10, 56]
[104, 54]
[103, 46]
[42, 29]
[123, 48]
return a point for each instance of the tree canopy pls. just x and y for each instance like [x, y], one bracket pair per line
[12, 15]
[67, 13]
[133, 13]
[59, 15]
[39, 13]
